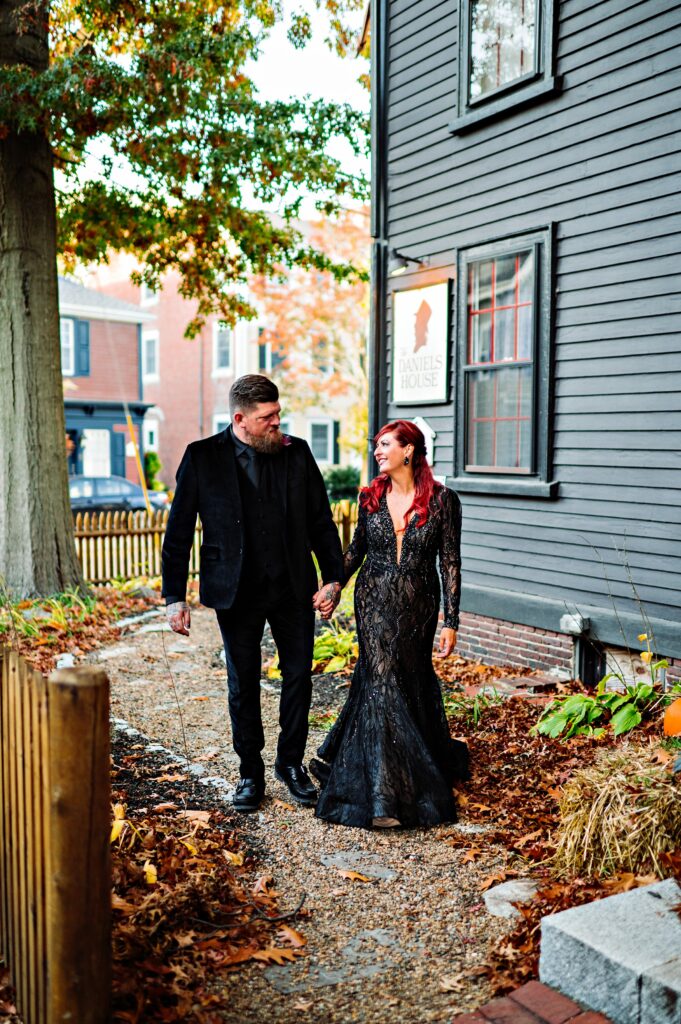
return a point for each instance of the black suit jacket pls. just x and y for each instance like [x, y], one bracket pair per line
[208, 486]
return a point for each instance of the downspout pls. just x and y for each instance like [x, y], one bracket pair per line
[379, 232]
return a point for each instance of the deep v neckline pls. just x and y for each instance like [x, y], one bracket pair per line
[398, 538]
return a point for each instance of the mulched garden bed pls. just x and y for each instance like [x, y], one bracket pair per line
[515, 788]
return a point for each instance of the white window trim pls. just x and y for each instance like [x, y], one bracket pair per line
[327, 422]
[151, 336]
[68, 368]
[220, 421]
[222, 371]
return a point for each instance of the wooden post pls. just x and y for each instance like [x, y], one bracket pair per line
[79, 872]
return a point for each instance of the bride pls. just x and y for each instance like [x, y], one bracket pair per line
[389, 759]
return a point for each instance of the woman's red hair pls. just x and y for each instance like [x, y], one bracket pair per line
[425, 485]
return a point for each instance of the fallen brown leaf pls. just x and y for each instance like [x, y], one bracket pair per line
[354, 876]
[282, 803]
[276, 955]
[451, 985]
[194, 815]
[288, 934]
[471, 854]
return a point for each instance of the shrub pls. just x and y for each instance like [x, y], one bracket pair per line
[152, 467]
[342, 482]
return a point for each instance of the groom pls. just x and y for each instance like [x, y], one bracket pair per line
[264, 509]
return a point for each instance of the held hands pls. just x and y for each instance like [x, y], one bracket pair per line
[326, 599]
[179, 618]
[447, 642]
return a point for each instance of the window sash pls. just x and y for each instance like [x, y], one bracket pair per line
[150, 347]
[317, 441]
[222, 349]
[523, 419]
[495, 314]
[67, 338]
[533, 52]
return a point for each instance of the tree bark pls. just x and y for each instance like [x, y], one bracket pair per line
[37, 550]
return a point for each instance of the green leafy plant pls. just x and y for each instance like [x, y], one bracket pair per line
[335, 648]
[471, 708]
[152, 467]
[621, 709]
[578, 713]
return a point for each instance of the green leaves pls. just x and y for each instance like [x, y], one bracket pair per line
[165, 149]
[625, 719]
[576, 714]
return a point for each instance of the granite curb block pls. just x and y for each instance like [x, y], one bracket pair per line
[619, 955]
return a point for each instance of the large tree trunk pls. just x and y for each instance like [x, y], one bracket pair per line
[37, 552]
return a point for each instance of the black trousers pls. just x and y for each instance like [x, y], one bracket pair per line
[242, 626]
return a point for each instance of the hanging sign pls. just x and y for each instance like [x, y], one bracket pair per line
[420, 333]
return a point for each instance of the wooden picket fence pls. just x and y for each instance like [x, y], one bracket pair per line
[127, 545]
[55, 875]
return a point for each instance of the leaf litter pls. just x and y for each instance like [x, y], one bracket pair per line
[188, 904]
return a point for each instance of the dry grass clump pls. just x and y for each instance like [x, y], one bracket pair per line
[619, 814]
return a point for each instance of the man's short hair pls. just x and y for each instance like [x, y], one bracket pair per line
[250, 390]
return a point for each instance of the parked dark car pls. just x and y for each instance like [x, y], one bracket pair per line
[110, 494]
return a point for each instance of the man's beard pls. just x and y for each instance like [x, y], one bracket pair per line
[269, 444]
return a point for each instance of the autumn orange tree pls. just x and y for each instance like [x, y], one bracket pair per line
[317, 326]
[165, 150]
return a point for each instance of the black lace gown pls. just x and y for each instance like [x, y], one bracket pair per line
[390, 752]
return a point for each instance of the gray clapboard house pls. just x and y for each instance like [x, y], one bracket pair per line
[527, 300]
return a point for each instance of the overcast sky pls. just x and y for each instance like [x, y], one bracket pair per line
[283, 72]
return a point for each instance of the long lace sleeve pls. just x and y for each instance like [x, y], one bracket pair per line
[450, 557]
[357, 549]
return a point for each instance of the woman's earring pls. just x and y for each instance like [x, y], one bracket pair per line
[406, 460]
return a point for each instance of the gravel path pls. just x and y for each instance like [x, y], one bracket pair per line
[399, 946]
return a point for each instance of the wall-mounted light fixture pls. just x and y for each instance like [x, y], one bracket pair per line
[399, 263]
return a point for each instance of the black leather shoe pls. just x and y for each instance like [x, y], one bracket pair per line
[248, 794]
[321, 770]
[299, 783]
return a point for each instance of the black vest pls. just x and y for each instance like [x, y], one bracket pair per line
[265, 551]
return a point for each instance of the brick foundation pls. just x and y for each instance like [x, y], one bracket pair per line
[496, 642]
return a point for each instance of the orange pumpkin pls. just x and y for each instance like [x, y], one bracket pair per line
[672, 719]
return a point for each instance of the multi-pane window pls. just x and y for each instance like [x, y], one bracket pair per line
[268, 357]
[320, 441]
[502, 44]
[498, 371]
[323, 437]
[504, 366]
[222, 349]
[507, 58]
[68, 346]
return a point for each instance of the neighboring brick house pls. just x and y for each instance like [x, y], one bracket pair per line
[185, 382]
[100, 358]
